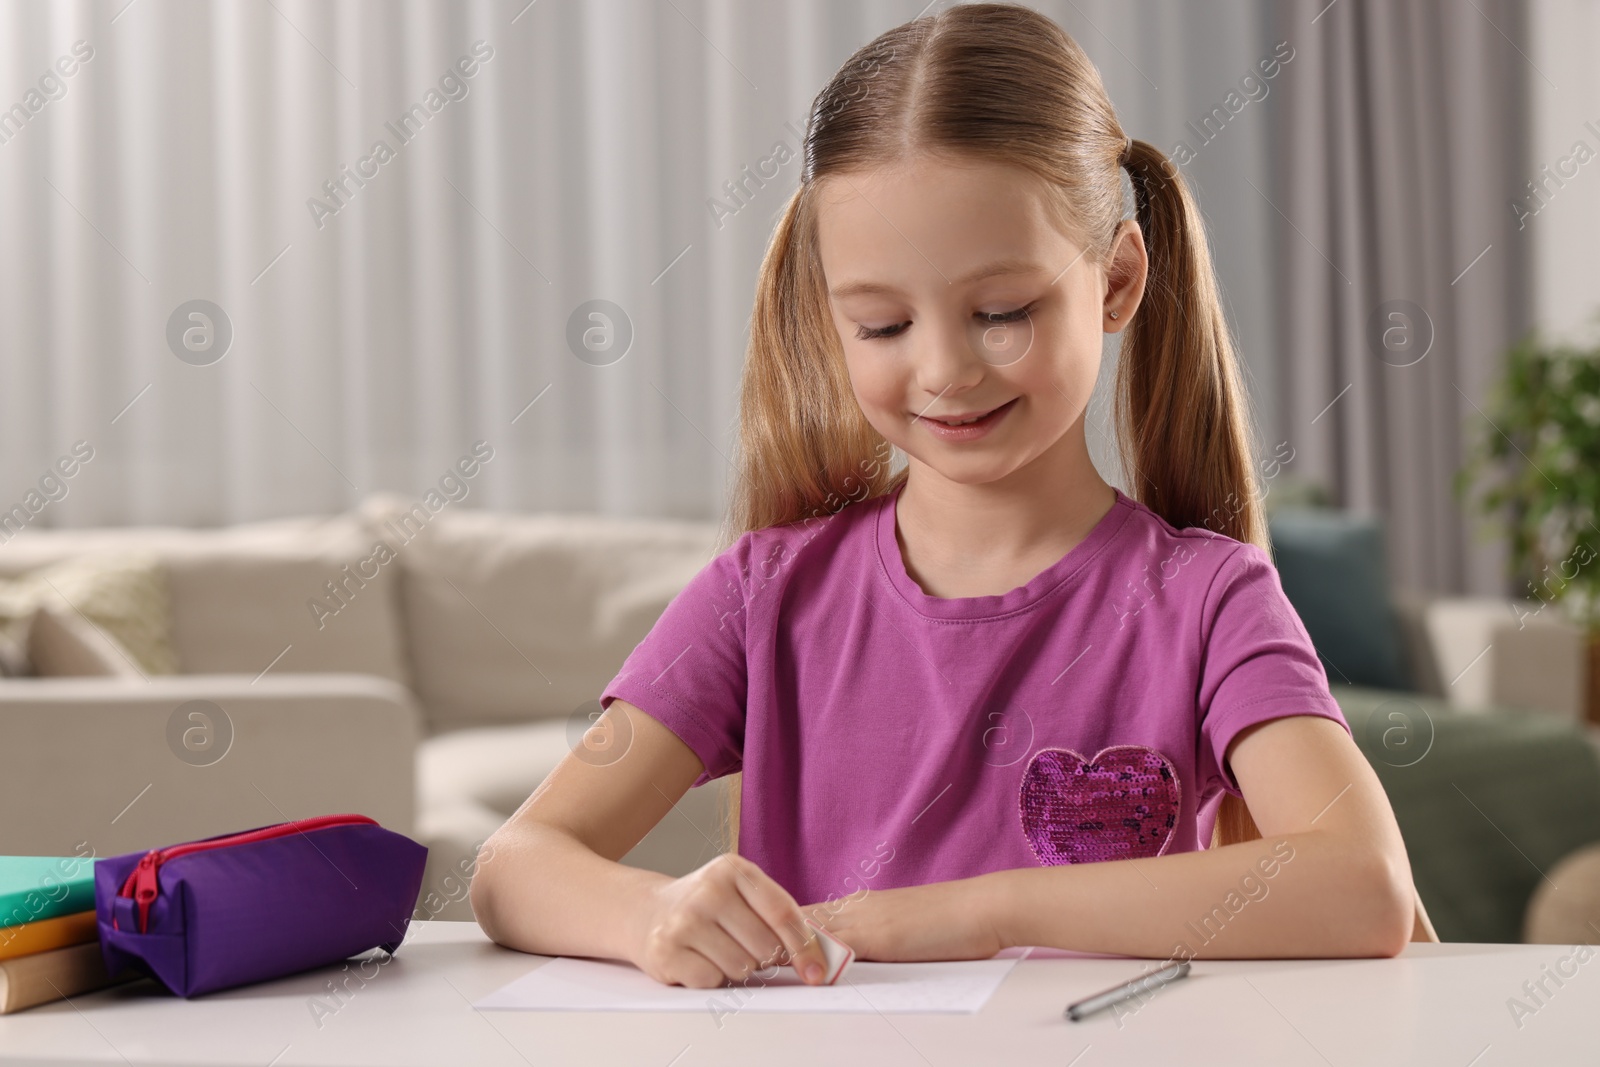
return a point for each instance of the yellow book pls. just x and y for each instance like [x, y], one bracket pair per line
[42, 935]
[28, 981]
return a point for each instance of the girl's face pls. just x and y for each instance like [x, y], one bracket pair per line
[955, 296]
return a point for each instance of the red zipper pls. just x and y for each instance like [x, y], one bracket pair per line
[141, 882]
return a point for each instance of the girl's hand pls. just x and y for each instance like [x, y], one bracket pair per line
[941, 921]
[722, 923]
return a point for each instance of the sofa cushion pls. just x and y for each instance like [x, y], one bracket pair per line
[490, 769]
[257, 594]
[514, 617]
[1331, 565]
[471, 781]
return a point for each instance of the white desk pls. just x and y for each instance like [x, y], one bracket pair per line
[1437, 1004]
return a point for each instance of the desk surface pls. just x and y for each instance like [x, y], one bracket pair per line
[1436, 1004]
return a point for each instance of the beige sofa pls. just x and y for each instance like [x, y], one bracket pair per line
[425, 666]
[433, 684]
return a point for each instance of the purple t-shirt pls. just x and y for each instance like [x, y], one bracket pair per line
[891, 738]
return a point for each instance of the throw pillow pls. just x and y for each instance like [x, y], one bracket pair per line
[1332, 567]
[64, 644]
[13, 654]
[123, 594]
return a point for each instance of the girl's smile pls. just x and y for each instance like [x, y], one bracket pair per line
[969, 426]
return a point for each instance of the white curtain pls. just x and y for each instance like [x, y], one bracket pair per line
[429, 306]
[1406, 274]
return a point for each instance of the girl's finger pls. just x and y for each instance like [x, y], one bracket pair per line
[783, 917]
[718, 946]
[746, 927]
[694, 971]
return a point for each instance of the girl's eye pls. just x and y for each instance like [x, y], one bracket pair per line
[995, 318]
[866, 334]
[988, 318]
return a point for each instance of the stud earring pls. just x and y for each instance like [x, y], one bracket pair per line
[1113, 314]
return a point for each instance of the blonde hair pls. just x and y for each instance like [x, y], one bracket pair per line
[995, 81]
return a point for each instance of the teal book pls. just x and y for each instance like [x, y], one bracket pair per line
[43, 887]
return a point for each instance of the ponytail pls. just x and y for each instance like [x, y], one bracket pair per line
[1182, 411]
[1182, 420]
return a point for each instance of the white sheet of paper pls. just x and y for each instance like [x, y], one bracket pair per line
[571, 984]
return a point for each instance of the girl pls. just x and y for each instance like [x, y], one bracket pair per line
[984, 699]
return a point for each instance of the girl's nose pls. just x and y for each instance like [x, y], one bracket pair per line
[950, 359]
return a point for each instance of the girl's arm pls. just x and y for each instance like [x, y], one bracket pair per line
[548, 881]
[1328, 878]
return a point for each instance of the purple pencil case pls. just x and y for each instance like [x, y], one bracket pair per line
[247, 907]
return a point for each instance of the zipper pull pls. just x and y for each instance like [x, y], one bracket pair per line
[145, 886]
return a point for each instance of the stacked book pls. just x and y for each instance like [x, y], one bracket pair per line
[49, 945]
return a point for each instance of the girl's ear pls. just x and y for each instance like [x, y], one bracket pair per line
[1126, 272]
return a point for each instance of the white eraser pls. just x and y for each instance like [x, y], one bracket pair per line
[839, 955]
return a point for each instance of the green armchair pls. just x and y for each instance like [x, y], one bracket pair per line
[1489, 802]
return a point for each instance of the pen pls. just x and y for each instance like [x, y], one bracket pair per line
[1137, 987]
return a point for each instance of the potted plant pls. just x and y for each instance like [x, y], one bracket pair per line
[1536, 462]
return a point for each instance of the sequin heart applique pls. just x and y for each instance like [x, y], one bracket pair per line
[1122, 804]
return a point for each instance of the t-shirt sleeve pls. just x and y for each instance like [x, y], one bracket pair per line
[1257, 660]
[689, 672]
